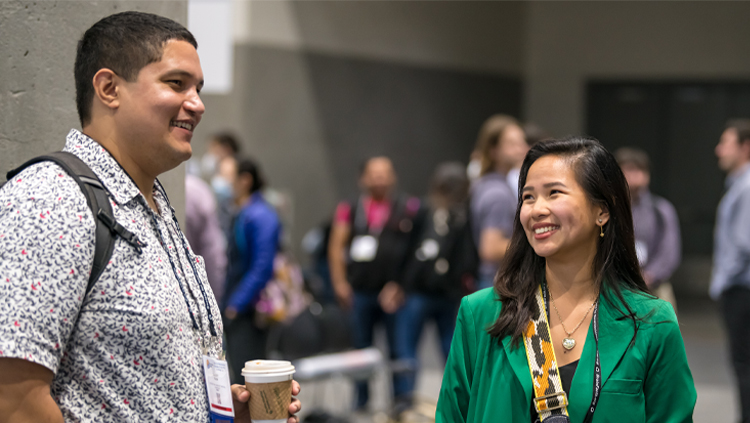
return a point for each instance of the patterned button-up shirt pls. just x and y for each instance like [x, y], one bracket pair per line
[133, 354]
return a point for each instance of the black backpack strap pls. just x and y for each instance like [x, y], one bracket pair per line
[98, 200]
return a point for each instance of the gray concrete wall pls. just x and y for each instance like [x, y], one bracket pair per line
[569, 42]
[321, 85]
[37, 93]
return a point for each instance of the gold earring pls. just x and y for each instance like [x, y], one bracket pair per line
[601, 227]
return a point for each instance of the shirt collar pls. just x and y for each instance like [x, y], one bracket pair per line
[119, 184]
[740, 174]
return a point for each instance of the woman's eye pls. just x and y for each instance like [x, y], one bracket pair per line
[555, 191]
[527, 197]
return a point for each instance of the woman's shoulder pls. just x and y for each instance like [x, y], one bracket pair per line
[483, 303]
[649, 307]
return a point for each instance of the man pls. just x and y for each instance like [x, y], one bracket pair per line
[657, 228]
[131, 349]
[730, 279]
[367, 252]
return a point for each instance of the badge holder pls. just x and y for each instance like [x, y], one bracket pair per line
[218, 389]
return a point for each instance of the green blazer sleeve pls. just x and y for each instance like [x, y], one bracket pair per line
[453, 402]
[669, 389]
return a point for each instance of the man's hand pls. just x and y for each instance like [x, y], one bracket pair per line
[241, 396]
[344, 294]
[391, 297]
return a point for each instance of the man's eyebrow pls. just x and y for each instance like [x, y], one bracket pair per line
[180, 72]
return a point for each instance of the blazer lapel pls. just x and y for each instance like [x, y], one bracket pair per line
[614, 339]
[614, 336]
[520, 364]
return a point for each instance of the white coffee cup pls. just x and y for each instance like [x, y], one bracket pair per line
[270, 386]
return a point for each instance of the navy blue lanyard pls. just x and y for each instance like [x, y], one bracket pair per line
[174, 268]
[597, 365]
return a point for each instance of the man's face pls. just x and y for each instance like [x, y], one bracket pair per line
[638, 179]
[730, 152]
[159, 111]
[378, 178]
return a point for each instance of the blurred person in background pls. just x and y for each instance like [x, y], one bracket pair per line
[533, 134]
[501, 145]
[730, 279]
[441, 268]
[218, 166]
[657, 228]
[367, 249]
[203, 232]
[253, 244]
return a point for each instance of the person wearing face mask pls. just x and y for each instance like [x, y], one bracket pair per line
[657, 228]
[218, 167]
[366, 254]
[501, 145]
[569, 332]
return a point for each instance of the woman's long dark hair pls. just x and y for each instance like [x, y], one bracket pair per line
[615, 265]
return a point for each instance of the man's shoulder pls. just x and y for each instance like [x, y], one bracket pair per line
[45, 181]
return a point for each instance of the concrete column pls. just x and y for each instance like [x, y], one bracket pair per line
[37, 92]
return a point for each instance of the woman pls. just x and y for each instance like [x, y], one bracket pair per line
[572, 245]
[501, 145]
[253, 244]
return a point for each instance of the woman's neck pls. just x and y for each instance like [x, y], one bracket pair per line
[571, 280]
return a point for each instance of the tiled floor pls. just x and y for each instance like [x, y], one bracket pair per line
[704, 342]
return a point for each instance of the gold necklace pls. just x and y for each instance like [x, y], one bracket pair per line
[570, 343]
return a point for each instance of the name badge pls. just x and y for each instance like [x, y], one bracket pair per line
[364, 248]
[219, 390]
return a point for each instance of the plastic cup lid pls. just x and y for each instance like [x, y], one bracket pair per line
[267, 368]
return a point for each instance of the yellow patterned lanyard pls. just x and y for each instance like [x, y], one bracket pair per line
[550, 400]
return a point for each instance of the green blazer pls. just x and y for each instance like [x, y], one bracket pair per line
[488, 381]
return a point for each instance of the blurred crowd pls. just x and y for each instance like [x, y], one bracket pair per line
[385, 257]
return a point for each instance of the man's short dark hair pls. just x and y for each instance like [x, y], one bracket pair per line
[125, 43]
[225, 139]
[742, 126]
[633, 156]
[251, 167]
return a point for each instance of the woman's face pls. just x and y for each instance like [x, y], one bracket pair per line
[559, 220]
[511, 148]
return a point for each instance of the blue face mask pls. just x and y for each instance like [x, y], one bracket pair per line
[222, 188]
[209, 164]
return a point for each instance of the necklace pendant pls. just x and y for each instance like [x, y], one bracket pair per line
[569, 343]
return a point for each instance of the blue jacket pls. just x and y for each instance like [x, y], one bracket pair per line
[253, 244]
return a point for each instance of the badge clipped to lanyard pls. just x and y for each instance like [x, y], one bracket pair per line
[219, 390]
[364, 248]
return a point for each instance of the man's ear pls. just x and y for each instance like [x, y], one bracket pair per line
[106, 88]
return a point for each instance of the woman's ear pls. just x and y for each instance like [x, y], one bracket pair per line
[106, 88]
[602, 215]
